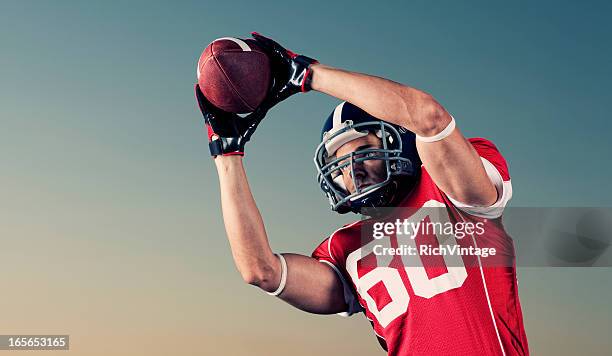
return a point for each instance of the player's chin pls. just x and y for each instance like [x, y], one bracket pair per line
[368, 183]
[363, 186]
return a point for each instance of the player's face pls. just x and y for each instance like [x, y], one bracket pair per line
[368, 172]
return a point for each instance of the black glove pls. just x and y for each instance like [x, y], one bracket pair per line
[228, 132]
[291, 72]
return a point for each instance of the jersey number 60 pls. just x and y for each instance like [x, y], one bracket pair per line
[421, 284]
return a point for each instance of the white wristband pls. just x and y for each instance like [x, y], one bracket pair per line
[440, 136]
[283, 281]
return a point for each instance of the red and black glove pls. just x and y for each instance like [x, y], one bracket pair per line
[291, 71]
[228, 132]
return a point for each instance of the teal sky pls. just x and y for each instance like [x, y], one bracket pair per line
[107, 187]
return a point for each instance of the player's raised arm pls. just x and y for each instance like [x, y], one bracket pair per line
[450, 159]
[301, 281]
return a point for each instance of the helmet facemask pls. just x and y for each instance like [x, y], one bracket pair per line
[330, 167]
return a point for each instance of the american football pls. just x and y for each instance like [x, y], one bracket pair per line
[234, 74]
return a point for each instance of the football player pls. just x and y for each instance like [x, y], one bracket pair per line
[385, 145]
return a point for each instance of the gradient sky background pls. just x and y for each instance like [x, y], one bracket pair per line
[109, 211]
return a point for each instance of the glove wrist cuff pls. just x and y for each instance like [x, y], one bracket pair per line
[306, 62]
[306, 84]
[224, 147]
[215, 147]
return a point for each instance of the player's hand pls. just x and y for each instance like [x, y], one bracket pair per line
[227, 132]
[291, 71]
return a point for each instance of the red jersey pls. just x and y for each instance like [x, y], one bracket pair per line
[444, 305]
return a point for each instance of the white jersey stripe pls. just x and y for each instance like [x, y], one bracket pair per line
[486, 290]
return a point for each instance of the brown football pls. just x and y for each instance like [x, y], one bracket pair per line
[234, 74]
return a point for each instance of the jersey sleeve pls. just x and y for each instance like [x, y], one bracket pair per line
[323, 254]
[497, 170]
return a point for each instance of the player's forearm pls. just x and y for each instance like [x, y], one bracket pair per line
[244, 226]
[387, 100]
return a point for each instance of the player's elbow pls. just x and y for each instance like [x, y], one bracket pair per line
[430, 117]
[252, 277]
[260, 276]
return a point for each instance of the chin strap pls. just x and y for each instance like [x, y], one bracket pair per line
[382, 201]
[394, 193]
